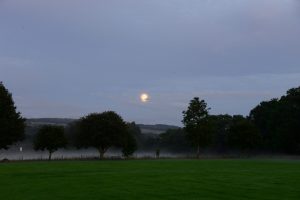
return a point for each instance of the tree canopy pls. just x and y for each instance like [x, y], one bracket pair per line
[50, 138]
[243, 134]
[279, 122]
[197, 124]
[12, 125]
[101, 131]
[129, 144]
[174, 140]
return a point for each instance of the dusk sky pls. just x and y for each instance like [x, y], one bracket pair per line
[68, 58]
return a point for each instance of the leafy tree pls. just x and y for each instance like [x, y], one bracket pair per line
[157, 152]
[266, 116]
[289, 130]
[197, 124]
[135, 130]
[12, 125]
[50, 138]
[150, 141]
[279, 122]
[174, 140]
[145, 142]
[243, 134]
[101, 131]
[129, 145]
[221, 124]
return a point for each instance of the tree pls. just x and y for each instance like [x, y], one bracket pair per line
[278, 121]
[50, 138]
[266, 116]
[101, 131]
[221, 124]
[289, 129]
[129, 145]
[135, 130]
[197, 124]
[12, 125]
[243, 134]
[174, 140]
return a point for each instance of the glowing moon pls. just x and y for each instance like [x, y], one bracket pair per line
[144, 97]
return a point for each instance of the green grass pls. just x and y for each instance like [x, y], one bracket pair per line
[151, 179]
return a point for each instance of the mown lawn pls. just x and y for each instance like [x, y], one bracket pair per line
[151, 179]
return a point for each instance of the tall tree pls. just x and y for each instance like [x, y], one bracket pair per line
[279, 122]
[135, 130]
[174, 140]
[221, 125]
[266, 116]
[12, 125]
[50, 138]
[289, 130]
[101, 131]
[129, 145]
[243, 135]
[197, 124]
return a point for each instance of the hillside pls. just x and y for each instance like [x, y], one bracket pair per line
[145, 128]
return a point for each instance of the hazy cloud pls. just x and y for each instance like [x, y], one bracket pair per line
[99, 55]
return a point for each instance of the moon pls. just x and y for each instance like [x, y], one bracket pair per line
[144, 97]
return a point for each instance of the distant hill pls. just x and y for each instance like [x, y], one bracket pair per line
[49, 121]
[156, 128]
[145, 128]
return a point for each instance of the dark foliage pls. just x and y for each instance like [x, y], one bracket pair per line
[279, 122]
[243, 135]
[221, 125]
[159, 127]
[134, 129]
[129, 144]
[174, 140]
[50, 138]
[145, 142]
[12, 125]
[197, 124]
[101, 131]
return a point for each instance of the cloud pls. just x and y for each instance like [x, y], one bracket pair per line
[100, 55]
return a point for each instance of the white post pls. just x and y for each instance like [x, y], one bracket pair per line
[21, 150]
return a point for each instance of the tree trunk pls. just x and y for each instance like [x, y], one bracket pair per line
[50, 155]
[101, 152]
[198, 151]
[101, 155]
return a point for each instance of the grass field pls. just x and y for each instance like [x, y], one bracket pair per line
[151, 179]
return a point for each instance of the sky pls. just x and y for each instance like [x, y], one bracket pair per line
[69, 58]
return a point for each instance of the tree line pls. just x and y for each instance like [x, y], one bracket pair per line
[272, 126]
